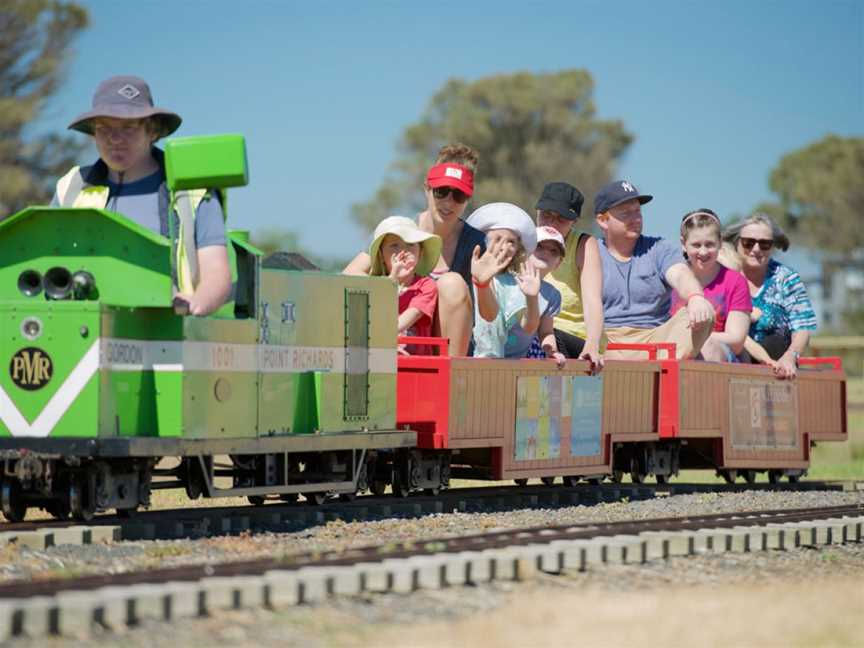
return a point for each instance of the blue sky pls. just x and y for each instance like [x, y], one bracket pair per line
[715, 92]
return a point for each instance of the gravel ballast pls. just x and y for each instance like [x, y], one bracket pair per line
[17, 563]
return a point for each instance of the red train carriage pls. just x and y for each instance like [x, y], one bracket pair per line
[520, 419]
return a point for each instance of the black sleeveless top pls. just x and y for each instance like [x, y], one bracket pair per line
[469, 238]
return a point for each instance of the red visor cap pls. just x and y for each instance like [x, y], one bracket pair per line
[451, 175]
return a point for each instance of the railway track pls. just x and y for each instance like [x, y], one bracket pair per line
[76, 605]
[277, 516]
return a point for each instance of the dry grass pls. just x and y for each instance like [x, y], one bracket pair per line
[813, 613]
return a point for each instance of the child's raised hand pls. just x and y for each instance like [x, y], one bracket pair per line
[528, 280]
[490, 263]
[402, 265]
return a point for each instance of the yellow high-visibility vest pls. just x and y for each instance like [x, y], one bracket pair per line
[74, 191]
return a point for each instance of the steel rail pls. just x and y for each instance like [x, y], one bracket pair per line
[408, 549]
[471, 499]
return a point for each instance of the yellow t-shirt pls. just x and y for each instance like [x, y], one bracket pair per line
[567, 280]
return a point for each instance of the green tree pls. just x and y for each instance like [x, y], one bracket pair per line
[820, 190]
[529, 129]
[35, 38]
[821, 194]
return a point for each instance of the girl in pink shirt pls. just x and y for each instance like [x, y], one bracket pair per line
[725, 289]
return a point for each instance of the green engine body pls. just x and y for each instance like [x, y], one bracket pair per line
[295, 353]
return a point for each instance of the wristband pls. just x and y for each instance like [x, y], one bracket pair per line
[480, 285]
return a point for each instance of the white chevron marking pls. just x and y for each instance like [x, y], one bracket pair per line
[57, 405]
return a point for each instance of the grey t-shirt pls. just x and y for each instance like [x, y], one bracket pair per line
[142, 200]
[635, 292]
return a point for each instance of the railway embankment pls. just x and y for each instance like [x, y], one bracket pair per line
[130, 614]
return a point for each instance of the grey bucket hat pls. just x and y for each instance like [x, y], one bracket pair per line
[125, 97]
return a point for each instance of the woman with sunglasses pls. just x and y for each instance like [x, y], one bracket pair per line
[782, 315]
[449, 184]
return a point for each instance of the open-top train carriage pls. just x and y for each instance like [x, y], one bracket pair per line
[520, 419]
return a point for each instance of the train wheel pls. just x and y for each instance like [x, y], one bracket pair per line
[347, 497]
[793, 479]
[617, 476]
[520, 482]
[12, 503]
[400, 488]
[571, 480]
[774, 476]
[548, 481]
[128, 512]
[729, 476]
[595, 481]
[662, 479]
[432, 491]
[749, 476]
[315, 499]
[637, 477]
[378, 487]
[288, 497]
[194, 486]
[257, 500]
[80, 500]
[59, 509]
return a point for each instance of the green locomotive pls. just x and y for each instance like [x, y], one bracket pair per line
[294, 380]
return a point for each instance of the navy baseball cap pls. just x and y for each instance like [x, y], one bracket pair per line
[562, 198]
[616, 193]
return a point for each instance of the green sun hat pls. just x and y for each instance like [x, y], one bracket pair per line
[407, 230]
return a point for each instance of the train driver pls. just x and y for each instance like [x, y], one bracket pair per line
[639, 274]
[129, 178]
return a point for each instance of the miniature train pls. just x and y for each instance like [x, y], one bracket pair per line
[296, 386]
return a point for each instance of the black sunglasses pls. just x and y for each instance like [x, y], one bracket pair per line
[442, 192]
[764, 244]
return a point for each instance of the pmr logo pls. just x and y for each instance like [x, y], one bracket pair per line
[31, 369]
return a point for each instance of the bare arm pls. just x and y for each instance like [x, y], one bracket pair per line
[408, 318]
[758, 353]
[699, 310]
[214, 287]
[735, 331]
[789, 361]
[531, 315]
[484, 267]
[529, 282]
[360, 265]
[591, 282]
[546, 333]
[487, 305]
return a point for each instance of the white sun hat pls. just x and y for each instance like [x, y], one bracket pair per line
[503, 215]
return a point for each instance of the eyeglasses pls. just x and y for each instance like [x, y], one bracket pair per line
[441, 193]
[764, 244]
[126, 131]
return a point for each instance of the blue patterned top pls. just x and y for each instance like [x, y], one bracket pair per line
[784, 303]
[504, 336]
